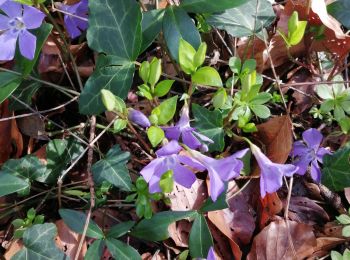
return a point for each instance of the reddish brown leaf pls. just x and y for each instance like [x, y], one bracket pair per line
[270, 206]
[324, 245]
[278, 240]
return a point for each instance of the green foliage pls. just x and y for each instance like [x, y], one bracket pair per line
[155, 135]
[207, 76]
[9, 82]
[165, 111]
[244, 20]
[200, 239]
[39, 244]
[21, 225]
[151, 26]
[112, 102]
[166, 182]
[209, 123]
[209, 6]
[11, 184]
[339, 10]
[120, 229]
[296, 30]
[113, 169]
[120, 250]
[335, 172]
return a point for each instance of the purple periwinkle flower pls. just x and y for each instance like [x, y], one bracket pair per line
[137, 117]
[220, 170]
[168, 158]
[211, 254]
[271, 174]
[14, 25]
[188, 134]
[76, 20]
[309, 151]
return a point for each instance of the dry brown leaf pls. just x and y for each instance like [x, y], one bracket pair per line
[347, 194]
[68, 241]
[277, 136]
[278, 240]
[270, 206]
[179, 232]
[33, 126]
[13, 248]
[333, 229]
[324, 244]
[156, 256]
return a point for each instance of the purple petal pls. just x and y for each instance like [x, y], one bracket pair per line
[190, 140]
[138, 118]
[185, 118]
[32, 17]
[287, 169]
[172, 147]
[227, 168]
[270, 179]
[172, 132]
[4, 22]
[191, 162]
[302, 163]
[148, 171]
[315, 171]
[240, 154]
[12, 9]
[27, 44]
[217, 186]
[312, 138]
[202, 137]
[154, 184]
[72, 27]
[183, 176]
[322, 152]
[299, 149]
[2, 1]
[7, 45]
[211, 254]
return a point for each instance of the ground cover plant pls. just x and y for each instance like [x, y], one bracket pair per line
[191, 129]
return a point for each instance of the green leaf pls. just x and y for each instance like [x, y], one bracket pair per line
[163, 87]
[59, 154]
[340, 11]
[9, 82]
[176, 25]
[293, 22]
[210, 6]
[346, 254]
[166, 110]
[155, 135]
[120, 229]
[75, 220]
[346, 231]
[39, 244]
[261, 98]
[155, 70]
[207, 76]
[209, 123]
[28, 167]
[235, 64]
[26, 66]
[95, 250]
[115, 28]
[156, 228]
[199, 57]
[343, 219]
[186, 57]
[296, 36]
[120, 250]
[11, 184]
[144, 71]
[261, 111]
[335, 173]
[111, 74]
[336, 255]
[345, 125]
[200, 239]
[112, 102]
[246, 20]
[324, 91]
[25, 92]
[166, 182]
[113, 169]
[220, 98]
[210, 205]
[151, 26]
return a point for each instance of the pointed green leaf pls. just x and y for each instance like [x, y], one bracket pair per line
[207, 76]
[163, 87]
[9, 82]
[95, 250]
[122, 251]
[209, 6]
[155, 135]
[166, 110]
[11, 184]
[120, 229]
[200, 238]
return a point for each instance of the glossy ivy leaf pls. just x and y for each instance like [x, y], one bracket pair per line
[26, 66]
[155, 135]
[39, 244]
[151, 26]
[200, 239]
[59, 154]
[209, 123]
[335, 172]
[113, 169]
[95, 250]
[9, 82]
[112, 74]
[209, 6]
[115, 28]
[165, 111]
[120, 229]
[10, 184]
[163, 87]
[122, 251]
[207, 76]
[340, 11]
[176, 25]
[156, 228]
[75, 220]
[245, 20]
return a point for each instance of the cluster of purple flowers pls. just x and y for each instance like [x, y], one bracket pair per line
[18, 20]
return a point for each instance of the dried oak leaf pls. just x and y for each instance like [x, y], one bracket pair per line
[324, 245]
[278, 240]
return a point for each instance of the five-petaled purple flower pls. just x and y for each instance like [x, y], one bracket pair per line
[309, 151]
[168, 158]
[138, 118]
[188, 134]
[76, 20]
[220, 170]
[15, 24]
[271, 174]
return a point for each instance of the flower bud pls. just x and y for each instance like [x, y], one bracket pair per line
[138, 118]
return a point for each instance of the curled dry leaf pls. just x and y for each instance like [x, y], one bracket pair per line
[13, 248]
[283, 240]
[324, 245]
[68, 241]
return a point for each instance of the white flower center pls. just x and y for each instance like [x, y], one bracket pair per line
[16, 25]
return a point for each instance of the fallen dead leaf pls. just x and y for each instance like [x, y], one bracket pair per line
[33, 126]
[13, 248]
[269, 206]
[278, 240]
[324, 245]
